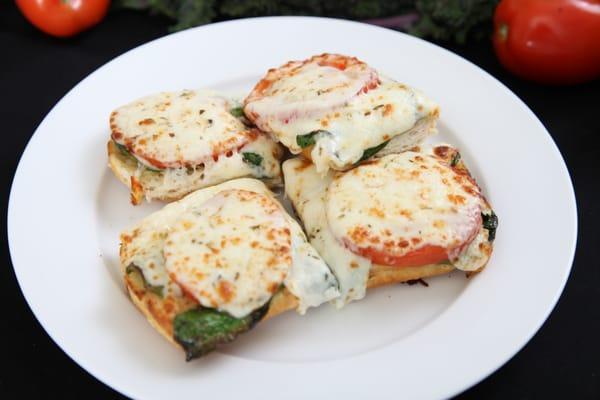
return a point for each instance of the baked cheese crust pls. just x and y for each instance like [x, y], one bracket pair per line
[339, 108]
[173, 184]
[166, 145]
[361, 202]
[229, 247]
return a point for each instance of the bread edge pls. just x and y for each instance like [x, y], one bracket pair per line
[284, 300]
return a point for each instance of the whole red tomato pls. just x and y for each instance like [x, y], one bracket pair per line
[549, 41]
[63, 18]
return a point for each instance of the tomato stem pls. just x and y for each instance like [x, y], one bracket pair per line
[503, 32]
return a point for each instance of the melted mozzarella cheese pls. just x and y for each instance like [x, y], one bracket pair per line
[307, 190]
[178, 129]
[176, 182]
[232, 252]
[347, 126]
[309, 278]
[302, 89]
[402, 202]
[476, 254]
[384, 113]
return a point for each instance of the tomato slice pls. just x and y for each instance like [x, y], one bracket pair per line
[312, 97]
[424, 255]
[338, 61]
[407, 209]
[335, 61]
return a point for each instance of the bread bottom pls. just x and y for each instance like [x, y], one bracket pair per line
[150, 184]
[160, 311]
[125, 169]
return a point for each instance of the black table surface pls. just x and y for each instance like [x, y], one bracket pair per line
[563, 358]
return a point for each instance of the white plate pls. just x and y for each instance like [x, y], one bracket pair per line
[66, 210]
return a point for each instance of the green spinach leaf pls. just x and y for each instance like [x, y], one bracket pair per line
[490, 222]
[200, 330]
[308, 139]
[124, 150]
[134, 269]
[455, 159]
[237, 112]
[126, 153]
[252, 158]
[371, 151]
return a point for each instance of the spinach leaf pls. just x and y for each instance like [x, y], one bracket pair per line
[308, 139]
[371, 151]
[134, 269]
[152, 169]
[455, 159]
[125, 152]
[237, 112]
[123, 149]
[252, 158]
[200, 330]
[490, 222]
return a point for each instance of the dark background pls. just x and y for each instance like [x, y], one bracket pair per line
[561, 361]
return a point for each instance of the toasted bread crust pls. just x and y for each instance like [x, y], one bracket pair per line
[122, 169]
[160, 312]
[149, 184]
[381, 275]
[125, 169]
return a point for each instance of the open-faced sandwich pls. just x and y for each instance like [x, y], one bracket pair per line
[337, 111]
[377, 206]
[210, 266]
[167, 145]
[394, 218]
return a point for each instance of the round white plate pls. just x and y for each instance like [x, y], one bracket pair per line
[66, 210]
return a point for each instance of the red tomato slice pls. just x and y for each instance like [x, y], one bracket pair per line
[363, 79]
[425, 255]
[407, 209]
[422, 256]
[338, 61]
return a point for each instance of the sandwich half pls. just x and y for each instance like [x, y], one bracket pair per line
[394, 218]
[210, 266]
[169, 144]
[337, 111]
